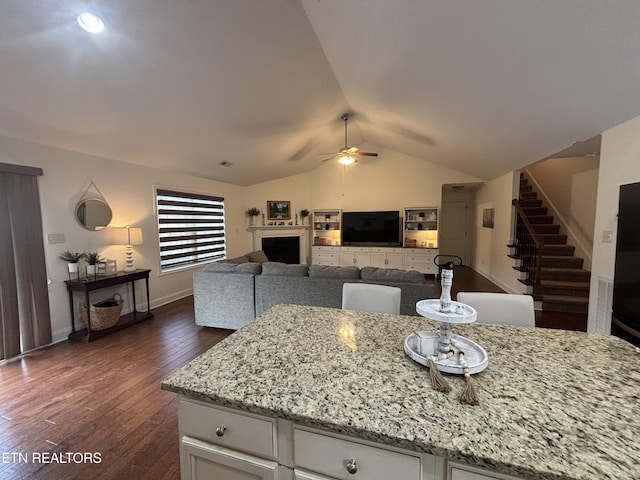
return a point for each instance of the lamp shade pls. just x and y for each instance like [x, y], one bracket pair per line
[127, 236]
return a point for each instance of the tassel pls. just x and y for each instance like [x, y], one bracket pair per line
[438, 382]
[468, 394]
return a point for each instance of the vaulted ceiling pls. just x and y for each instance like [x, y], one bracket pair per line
[481, 86]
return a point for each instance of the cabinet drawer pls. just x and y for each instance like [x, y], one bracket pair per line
[240, 431]
[330, 456]
[356, 249]
[419, 259]
[386, 250]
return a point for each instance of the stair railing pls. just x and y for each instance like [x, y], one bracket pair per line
[529, 243]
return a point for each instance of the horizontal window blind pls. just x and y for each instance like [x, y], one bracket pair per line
[190, 228]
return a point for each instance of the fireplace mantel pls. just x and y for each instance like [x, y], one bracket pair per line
[301, 231]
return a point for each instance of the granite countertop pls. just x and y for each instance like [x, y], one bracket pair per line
[554, 404]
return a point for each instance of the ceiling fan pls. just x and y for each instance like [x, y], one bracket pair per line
[346, 155]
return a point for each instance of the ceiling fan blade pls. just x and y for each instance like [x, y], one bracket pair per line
[328, 158]
[366, 154]
[352, 149]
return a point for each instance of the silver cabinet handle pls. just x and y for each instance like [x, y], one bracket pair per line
[352, 467]
[220, 430]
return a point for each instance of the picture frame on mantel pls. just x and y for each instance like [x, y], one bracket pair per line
[278, 210]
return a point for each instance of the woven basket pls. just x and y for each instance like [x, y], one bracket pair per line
[104, 314]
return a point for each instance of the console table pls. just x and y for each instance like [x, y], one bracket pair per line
[87, 285]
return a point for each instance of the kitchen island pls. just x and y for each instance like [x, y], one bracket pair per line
[553, 404]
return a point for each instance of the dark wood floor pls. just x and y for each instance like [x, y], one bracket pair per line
[105, 398]
[465, 279]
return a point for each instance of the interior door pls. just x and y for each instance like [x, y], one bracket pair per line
[454, 230]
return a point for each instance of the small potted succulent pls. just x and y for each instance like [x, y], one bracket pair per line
[92, 259]
[72, 259]
[252, 213]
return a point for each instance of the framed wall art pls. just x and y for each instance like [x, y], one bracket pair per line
[278, 210]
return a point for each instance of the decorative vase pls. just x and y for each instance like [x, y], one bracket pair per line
[73, 267]
[91, 269]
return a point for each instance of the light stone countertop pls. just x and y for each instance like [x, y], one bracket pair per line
[554, 404]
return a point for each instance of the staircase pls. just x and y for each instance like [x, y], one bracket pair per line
[559, 282]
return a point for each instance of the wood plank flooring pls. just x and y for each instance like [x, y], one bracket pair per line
[100, 398]
[104, 398]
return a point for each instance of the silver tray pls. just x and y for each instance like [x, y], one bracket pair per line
[418, 345]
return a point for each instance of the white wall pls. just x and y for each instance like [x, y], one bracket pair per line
[490, 249]
[569, 184]
[619, 165]
[129, 190]
[391, 181]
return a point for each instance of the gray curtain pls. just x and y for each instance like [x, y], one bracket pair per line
[24, 298]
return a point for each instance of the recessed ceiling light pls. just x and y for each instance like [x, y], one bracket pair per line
[224, 163]
[90, 22]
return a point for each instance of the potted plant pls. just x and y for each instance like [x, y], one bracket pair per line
[92, 259]
[252, 213]
[72, 259]
[304, 214]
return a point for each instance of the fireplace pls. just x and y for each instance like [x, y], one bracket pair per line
[299, 233]
[282, 249]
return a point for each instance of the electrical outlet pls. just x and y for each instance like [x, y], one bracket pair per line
[607, 236]
[55, 238]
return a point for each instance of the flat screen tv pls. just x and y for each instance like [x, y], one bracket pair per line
[371, 228]
[626, 280]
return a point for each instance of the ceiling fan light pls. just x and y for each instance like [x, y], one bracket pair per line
[90, 22]
[346, 159]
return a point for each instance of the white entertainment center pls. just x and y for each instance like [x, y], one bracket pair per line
[419, 242]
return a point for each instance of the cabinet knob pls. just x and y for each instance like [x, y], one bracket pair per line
[220, 430]
[352, 467]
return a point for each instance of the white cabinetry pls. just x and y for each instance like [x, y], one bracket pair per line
[341, 458]
[421, 227]
[325, 256]
[420, 259]
[456, 471]
[224, 443]
[327, 226]
[355, 256]
[382, 257]
[220, 443]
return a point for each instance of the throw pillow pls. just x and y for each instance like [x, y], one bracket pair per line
[391, 275]
[258, 256]
[287, 269]
[328, 271]
[237, 260]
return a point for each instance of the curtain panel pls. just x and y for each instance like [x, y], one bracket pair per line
[25, 321]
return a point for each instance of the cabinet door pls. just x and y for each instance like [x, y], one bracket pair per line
[395, 260]
[204, 461]
[347, 259]
[379, 260]
[363, 259]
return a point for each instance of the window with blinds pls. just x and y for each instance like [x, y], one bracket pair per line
[190, 227]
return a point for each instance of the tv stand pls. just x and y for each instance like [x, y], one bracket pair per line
[420, 259]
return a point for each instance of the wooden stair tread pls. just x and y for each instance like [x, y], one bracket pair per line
[563, 283]
[565, 299]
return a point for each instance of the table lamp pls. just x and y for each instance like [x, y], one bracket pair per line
[128, 236]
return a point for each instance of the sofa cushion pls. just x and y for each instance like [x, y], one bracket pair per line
[391, 275]
[328, 271]
[258, 256]
[226, 267]
[290, 270]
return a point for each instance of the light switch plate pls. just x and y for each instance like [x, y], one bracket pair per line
[55, 238]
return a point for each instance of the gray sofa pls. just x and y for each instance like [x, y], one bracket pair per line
[231, 294]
